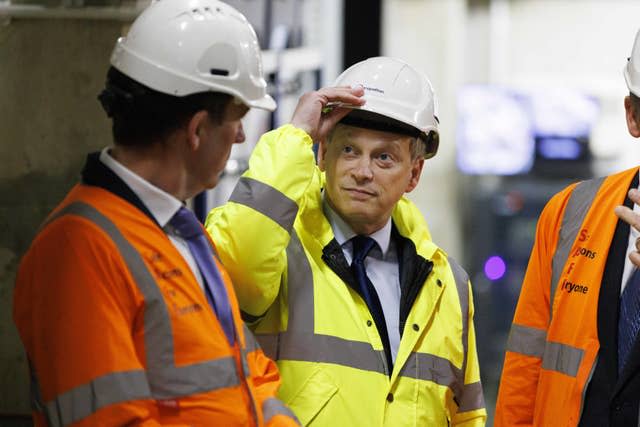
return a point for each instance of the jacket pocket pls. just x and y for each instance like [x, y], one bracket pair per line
[433, 405]
[315, 394]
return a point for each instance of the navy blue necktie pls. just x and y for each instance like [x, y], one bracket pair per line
[628, 318]
[362, 245]
[189, 228]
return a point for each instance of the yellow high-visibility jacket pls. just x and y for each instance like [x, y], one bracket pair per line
[280, 251]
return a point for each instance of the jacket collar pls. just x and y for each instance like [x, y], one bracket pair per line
[97, 174]
[162, 205]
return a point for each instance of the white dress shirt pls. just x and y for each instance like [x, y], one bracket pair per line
[382, 269]
[161, 204]
[631, 247]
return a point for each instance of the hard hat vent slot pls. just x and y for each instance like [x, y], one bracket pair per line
[219, 72]
[201, 14]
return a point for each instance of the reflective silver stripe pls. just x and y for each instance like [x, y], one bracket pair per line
[579, 202]
[250, 345]
[173, 381]
[472, 397]
[462, 285]
[270, 344]
[250, 342]
[272, 407]
[306, 347]
[300, 288]
[429, 367]
[82, 401]
[526, 340]
[266, 200]
[165, 380]
[469, 396]
[562, 358]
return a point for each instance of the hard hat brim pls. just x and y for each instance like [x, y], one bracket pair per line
[366, 119]
[266, 103]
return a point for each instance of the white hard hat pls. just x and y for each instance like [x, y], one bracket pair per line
[632, 69]
[182, 47]
[397, 97]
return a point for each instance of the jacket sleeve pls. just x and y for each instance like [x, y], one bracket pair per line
[252, 230]
[471, 411]
[74, 313]
[265, 379]
[523, 358]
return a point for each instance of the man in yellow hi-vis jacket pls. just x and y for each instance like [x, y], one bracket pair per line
[370, 322]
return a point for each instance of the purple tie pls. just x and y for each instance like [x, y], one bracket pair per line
[189, 228]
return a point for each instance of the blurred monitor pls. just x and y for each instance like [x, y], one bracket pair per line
[494, 134]
[560, 148]
[503, 131]
[561, 112]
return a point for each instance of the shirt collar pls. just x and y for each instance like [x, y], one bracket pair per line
[161, 204]
[343, 233]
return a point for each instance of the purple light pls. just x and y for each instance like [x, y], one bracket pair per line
[494, 268]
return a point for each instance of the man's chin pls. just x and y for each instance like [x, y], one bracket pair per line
[213, 182]
[357, 213]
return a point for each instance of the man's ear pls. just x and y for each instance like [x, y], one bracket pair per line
[197, 124]
[322, 153]
[631, 116]
[416, 171]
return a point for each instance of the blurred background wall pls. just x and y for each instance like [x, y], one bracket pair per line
[540, 80]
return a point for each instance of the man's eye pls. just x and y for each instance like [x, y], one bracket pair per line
[385, 157]
[347, 149]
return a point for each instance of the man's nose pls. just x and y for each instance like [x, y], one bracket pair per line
[362, 170]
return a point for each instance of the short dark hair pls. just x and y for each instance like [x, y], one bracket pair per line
[141, 116]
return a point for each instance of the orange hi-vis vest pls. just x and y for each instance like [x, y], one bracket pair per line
[553, 345]
[118, 331]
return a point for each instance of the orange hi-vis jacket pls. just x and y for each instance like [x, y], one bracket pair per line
[553, 346]
[118, 331]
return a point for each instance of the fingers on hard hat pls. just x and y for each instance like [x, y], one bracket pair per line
[345, 96]
[348, 87]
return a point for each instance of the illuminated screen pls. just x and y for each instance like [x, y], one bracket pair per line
[562, 113]
[555, 148]
[494, 132]
[498, 128]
